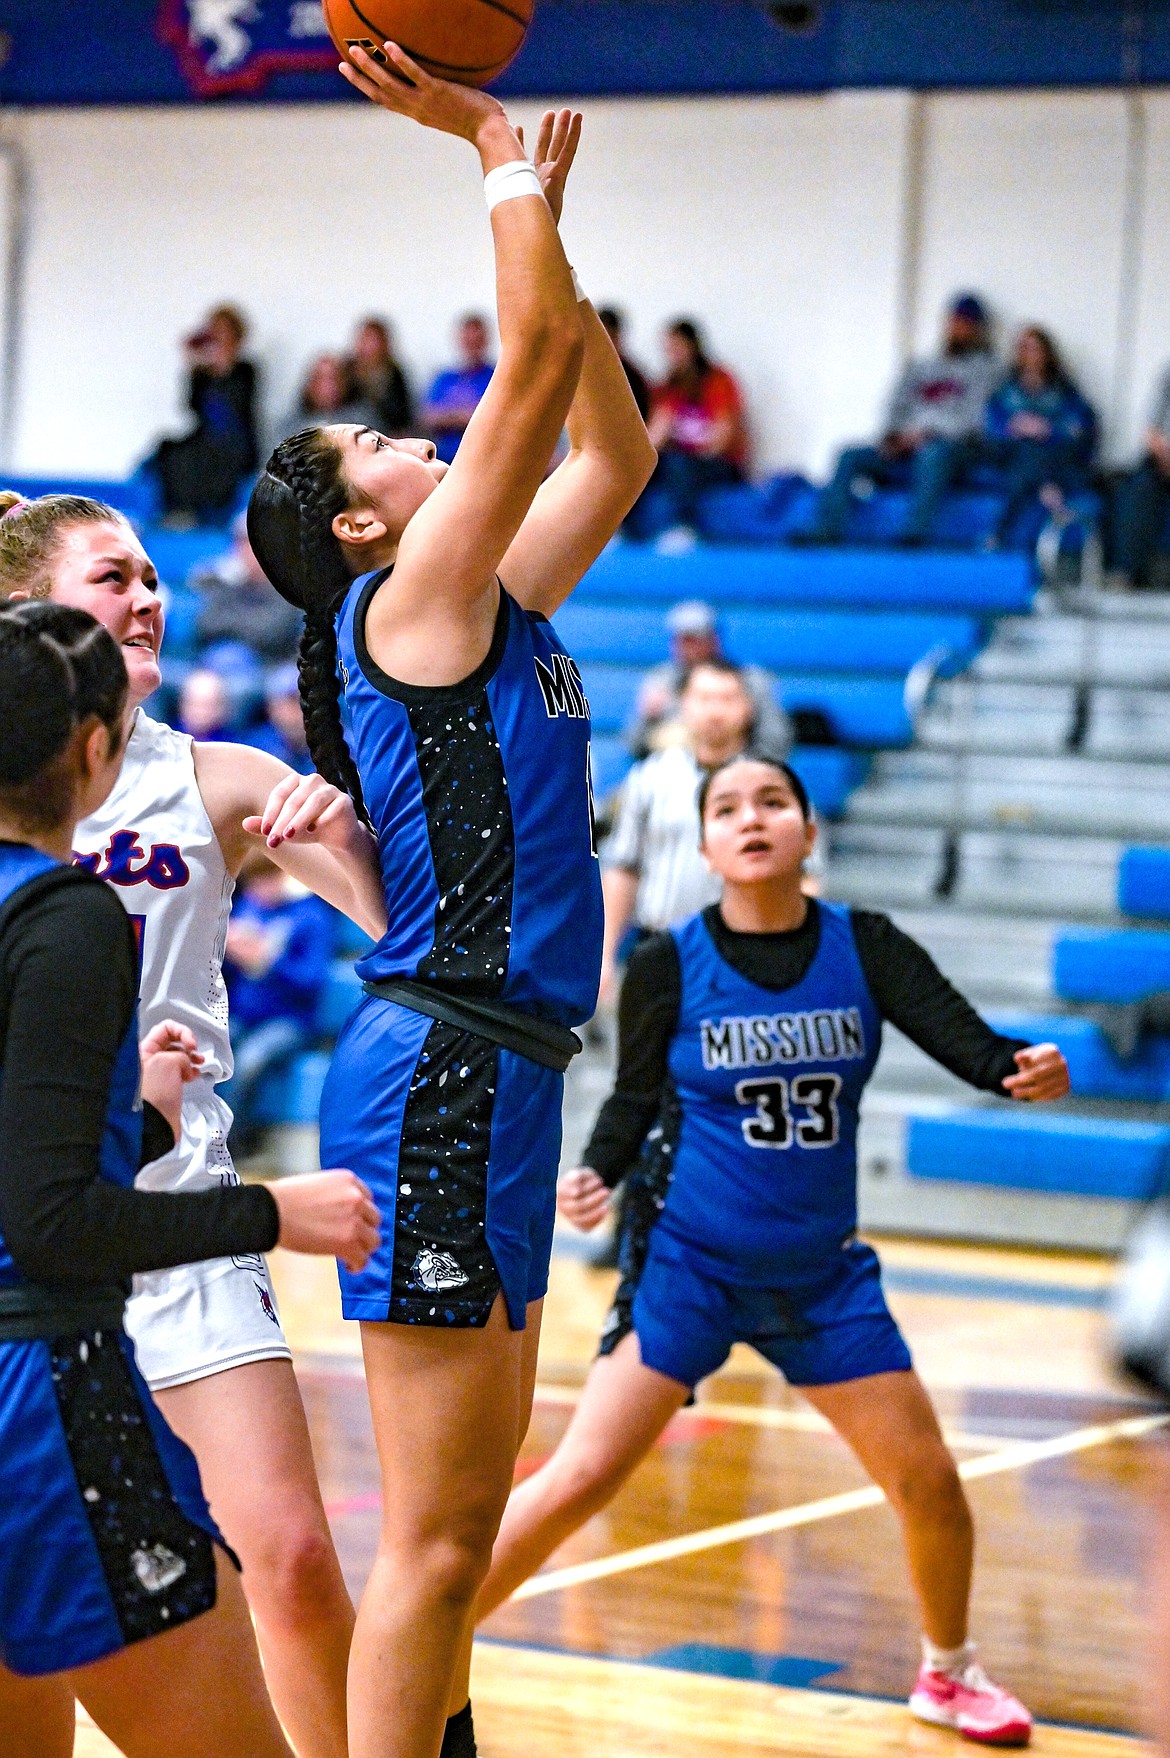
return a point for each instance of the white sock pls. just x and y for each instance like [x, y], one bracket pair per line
[947, 1660]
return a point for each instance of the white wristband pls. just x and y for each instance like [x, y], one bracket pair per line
[509, 181]
[578, 289]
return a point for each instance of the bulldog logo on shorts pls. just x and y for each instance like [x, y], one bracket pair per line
[157, 1568]
[437, 1271]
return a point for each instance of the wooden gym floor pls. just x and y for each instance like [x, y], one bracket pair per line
[745, 1593]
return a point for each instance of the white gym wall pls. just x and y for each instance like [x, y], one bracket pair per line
[811, 235]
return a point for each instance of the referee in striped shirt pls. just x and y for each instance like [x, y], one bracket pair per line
[652, 872]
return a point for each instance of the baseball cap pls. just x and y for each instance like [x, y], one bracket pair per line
[971, 307]
[692, 617]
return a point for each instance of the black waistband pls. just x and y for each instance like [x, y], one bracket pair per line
[553, 1046]
[28, 1312]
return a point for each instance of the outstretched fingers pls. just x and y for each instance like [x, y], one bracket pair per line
[556, 148]
[392, 80]
[544, 137]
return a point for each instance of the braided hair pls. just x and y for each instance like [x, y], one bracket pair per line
[290, 528]
[58, 669]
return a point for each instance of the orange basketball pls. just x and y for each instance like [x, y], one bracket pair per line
[469, 41]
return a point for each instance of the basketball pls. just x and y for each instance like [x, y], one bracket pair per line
[468, 41]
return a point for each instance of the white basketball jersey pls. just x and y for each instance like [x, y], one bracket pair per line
[154, 843]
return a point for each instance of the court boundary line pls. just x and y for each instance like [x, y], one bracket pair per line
[1013, 1458]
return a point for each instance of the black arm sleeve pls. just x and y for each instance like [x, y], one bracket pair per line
[158, 1138]
[913, 994]
[647, 1016]
[67, 982]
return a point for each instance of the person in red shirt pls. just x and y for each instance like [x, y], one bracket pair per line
[697, 423]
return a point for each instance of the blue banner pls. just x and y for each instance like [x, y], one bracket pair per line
[232, 46]
[199, 51]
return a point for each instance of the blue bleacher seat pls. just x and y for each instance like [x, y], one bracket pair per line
[611, 761]
[621, 633]
[136, 496]
[784, 640]
[864, 711]
[1095, 1069]
[983, 585]
[613, 692]
[765, 513]
[294, 1094]
[176, 553]
[1143, 882]
[1110, 964]
[182, 607]
[829, 774]
[967, 516]
[860, 641]
[1022, 1149]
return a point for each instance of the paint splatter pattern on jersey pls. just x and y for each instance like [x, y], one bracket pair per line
[469, 822]
[158, 1565]
[443, 1269]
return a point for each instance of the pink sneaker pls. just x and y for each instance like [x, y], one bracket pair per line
[972, 1705]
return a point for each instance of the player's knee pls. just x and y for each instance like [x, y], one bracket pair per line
[297, 1575]
[928, 1487]
[454, 1565]
[452, 1553]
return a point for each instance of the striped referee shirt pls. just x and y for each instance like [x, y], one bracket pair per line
[656, 836]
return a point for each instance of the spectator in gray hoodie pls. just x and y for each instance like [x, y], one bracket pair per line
[932, 430]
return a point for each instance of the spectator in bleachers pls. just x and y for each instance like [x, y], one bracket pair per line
[327, 397]
[614, 324]
[1141, 500]
[282, 731]
[200, 475]
[653, 874]
[238, 604]
[276, 964]
[455, 393]
[932, 431]
[695, 640]
[378, 378]
[206, 710]
[697, 423]
[1039, 430]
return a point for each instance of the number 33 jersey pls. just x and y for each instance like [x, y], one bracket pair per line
[769, 1086]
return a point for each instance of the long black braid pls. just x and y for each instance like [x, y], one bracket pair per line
[290, 527]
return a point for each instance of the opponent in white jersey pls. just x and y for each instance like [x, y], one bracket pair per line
[170, 840]
[154, 842]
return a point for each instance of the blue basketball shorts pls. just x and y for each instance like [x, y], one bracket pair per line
[460, 1142]
[828, 1324]
[105, 1536]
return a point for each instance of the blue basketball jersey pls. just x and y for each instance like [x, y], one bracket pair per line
[481, 799]
[769, 1086]
[121, 1146]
